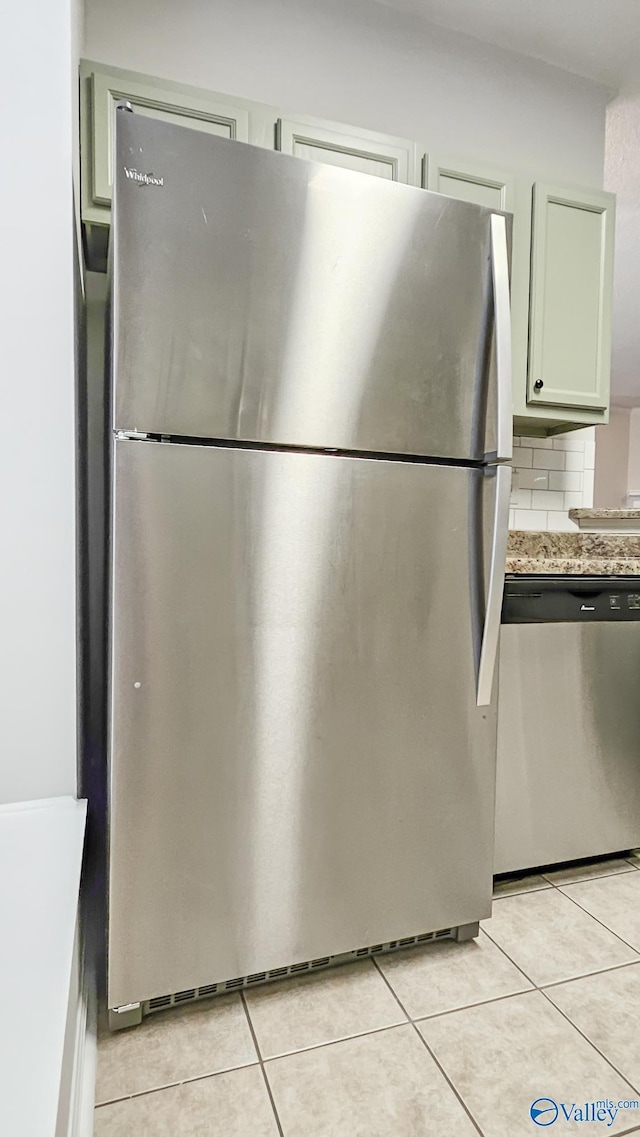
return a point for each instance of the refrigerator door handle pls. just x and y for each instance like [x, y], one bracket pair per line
[502, 317]
[493, 609]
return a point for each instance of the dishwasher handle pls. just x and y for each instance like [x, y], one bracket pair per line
[493, 607]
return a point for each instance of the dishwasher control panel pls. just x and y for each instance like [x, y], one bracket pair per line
[562, 599]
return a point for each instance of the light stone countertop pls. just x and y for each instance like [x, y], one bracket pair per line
[623, 514]
[606, 520]
[573, 554]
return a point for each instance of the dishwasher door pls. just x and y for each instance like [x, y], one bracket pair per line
[568, 771]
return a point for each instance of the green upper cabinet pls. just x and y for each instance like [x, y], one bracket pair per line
[382, 155]
[497, 189]
[199, 113]
[561, 281]
[571, 288]
[101, 88]
[562, 244]
[468, 181]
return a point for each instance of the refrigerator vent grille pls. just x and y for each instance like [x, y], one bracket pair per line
[161, 1002]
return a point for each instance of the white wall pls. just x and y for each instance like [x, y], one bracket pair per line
[622, 177]
[618, 459]
[360, 62]
[77, 50]
[37, 562]
[612, 460]
[633, 476]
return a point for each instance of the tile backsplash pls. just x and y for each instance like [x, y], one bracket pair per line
[550, 477]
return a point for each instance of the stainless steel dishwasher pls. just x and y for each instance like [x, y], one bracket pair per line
[568, 774]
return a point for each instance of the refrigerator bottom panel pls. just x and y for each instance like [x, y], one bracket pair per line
[298, 767]
[133, 1014]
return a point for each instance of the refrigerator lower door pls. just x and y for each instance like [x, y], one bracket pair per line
[298, 764]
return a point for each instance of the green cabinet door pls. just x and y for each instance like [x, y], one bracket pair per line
[571, 289]
[468, 181]
[101, 88]
[382, 155]
[497, 189]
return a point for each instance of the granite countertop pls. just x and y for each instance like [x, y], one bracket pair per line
[573, 554]
[606, 520]
[623, 514]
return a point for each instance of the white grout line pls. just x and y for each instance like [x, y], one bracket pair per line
[174, 1085]
[507, 956]
[542, 990]
[480, 1003]
[522, 892]
[261, 1061]
[589, 974]
[605, 926]
[628, 1132]
[543, 874]
[589, 1040]
[561, 884]
[332, 1041]
[264, 1072]
[568, 978]
[592, 876]
[430, 1052]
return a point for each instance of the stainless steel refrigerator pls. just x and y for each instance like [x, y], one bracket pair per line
[311, 414]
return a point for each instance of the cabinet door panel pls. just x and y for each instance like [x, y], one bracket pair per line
[382, 155]
[102, 87]
[469, 182]
[361, 163]
[571, 267]
[477, 192]
[200, 113]
[497, 189]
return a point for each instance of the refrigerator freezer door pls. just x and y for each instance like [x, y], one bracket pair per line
[298, 764]
[263, 298]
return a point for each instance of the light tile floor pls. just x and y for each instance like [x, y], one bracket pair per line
[449, 1040]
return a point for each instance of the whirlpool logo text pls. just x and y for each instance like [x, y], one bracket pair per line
[142, 179]
[545, 1112]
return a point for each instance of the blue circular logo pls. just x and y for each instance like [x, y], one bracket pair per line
[544, 1111]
